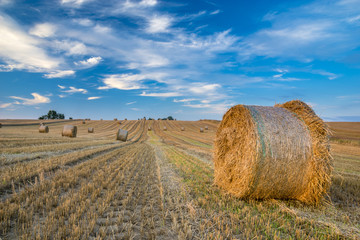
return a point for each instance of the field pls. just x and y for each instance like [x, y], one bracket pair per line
[157, 185]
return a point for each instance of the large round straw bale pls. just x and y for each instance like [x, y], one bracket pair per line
[90, 130]
[273, 152]
[69, 131]
[182, 129]
[122, 135]
[149, 128]
[206, 128]
[201, 130]
[43, 129]
[165, 129]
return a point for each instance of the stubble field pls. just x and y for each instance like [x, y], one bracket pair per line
[157, 185]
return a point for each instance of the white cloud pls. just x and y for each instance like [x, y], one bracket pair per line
[205, 89]
[59, 74]
[102, 29]
[159, 24]
[166, 94]
[93, 98]
[145, 58]
[215, 12]
[129, 103]
[72, 47]
[43, 30]
[89, 62]
[22, 50]
[6, 2]
[76, 90]
[128, 81]
[5, 105]
[74, 3]
[84, 22]
[135, 109]
[185, 100]
[6, 68]
[148, 2]
[62, 87]
[38, 99]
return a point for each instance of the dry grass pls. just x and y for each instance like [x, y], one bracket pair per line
[159, 186]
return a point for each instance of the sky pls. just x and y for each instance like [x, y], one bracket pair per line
[187, 59]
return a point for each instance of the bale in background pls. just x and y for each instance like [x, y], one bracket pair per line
[83, 122]
[69, 131]
[182, 129]
[273, 152]
[90, 130]
[0, 125]
[149, 128]
[122, 135]
[206, 128]
[115, 119]
[201, 130]
[43, 129]
[165, 129]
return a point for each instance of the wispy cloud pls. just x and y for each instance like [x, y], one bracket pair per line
[75, 90]
[128, 81]
[161, 94]
[93, 98]
[74, 3]
[129, 103]
[90, 62]
[60, 74]
[43, 30]
[21, 50]
[159, 24]
[38, 99]
[5, 105]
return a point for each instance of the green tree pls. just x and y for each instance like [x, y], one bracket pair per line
[52, 114]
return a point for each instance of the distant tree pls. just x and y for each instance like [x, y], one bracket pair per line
[70, 118]
[52, 114]
[150, 118]
[170, 118]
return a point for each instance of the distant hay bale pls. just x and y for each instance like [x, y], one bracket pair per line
[115, 119]
[165, 129]
[69, 131]
[273, 152]
[149, 128]
[201, 130]
[119, 122]
[182, 129]
[122, 135]
[101, 119]
[206, 128]
[83, 122]
[90, 130]
[125, 119]
[0, 125]
[43, 129]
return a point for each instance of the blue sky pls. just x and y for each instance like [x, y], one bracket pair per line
[188, 59]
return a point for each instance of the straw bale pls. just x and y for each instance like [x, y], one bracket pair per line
[115, 119]
[149, 128]
[206, 128]
[83, 122]
[43, 129]
[165, 129]
[182, 129]
[273, 152]
[69, 131]
[122, 135]
[201, 130]
[0, 125]
[90, 130]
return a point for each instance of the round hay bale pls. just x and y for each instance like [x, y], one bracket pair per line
[182, 129]
[115, 119]
[69, 131]
[273, 152]
[201, 130]
[149, 128]
[122, 135]
[83, 122]
[125, 119]
[0, 125]
[165, 129]
[43, 129]
[90, 130]
[206, 128]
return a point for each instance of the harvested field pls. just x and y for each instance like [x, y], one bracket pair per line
[157, 184]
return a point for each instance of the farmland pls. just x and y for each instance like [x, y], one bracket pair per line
[158, 184]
